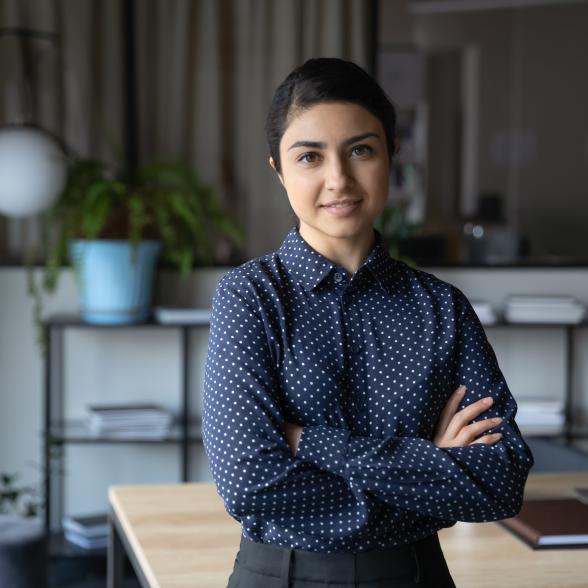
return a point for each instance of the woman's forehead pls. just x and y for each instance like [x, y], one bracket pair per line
[331, 118]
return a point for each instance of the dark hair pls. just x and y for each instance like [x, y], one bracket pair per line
[321, 80]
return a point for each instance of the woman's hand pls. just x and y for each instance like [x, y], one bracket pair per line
[452, 429]
[293, 433]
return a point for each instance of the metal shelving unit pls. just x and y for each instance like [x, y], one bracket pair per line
[61, 432]
[58, 432]
[570, 431]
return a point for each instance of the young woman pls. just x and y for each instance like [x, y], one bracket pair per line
[352, 406]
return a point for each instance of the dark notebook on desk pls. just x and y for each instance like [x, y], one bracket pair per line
[554, 523]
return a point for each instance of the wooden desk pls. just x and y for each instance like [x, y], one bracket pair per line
[180, 536]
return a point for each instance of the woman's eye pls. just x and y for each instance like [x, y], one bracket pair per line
[301, 158]
[363, 149]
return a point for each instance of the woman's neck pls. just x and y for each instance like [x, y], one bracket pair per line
[349, 253]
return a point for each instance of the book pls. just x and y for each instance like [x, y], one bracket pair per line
[130, 421]
[181, 315]
[130, 434]
[541, 300]
[543, 309]
[551, 523]
[572, 316]
[87, 542]
[485, 312]
[116, 409]
[89, 526]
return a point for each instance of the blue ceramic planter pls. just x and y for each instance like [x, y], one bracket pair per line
[114, 288]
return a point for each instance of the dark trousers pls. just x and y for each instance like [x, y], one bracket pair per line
[417, 565]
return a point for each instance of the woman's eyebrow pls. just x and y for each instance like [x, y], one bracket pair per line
[321, 145]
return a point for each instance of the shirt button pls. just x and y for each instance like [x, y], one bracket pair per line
[338, 277]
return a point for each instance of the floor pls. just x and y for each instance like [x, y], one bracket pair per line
[550, 456]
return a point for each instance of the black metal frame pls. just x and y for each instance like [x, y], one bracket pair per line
[568, 432]
[55, 431]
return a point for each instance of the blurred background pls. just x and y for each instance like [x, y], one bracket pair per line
[490, 97]
[489, 191]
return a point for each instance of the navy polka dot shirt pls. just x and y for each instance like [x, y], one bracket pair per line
[365, 364]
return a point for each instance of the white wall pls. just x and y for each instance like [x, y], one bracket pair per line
[115, 365]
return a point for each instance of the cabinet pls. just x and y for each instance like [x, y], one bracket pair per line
[59, 432]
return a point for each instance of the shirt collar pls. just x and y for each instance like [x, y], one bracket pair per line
[309, 267]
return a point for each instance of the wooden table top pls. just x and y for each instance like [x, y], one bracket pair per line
[182, 537]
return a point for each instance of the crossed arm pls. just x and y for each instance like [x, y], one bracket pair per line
[256, 456]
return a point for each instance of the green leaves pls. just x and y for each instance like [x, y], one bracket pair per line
[98, 203]
[394, 228]
[15, 499]
[163, 200]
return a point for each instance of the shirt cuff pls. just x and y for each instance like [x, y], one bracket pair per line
[324, 447]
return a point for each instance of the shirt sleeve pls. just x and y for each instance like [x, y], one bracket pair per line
[243, 424]
[473, 483]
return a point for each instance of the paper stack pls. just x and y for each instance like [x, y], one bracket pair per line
[484, 311]
[540, 417]
[543, 309]
[88, 532]
[130, 421]
[175, 315]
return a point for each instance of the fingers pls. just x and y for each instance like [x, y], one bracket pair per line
[455, 429]
[488, 439]
[450, 408]
[479, 427]
[467, 414]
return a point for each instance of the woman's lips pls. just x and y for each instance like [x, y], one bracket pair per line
[344, 210]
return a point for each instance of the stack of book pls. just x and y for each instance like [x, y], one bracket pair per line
[176, 315]
[540, 417]
[87, 532]
[543, 309]
[130, 421]
[484, 311]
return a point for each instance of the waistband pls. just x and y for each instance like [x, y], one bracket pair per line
[401, 561]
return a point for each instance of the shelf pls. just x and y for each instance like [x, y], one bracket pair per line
[76, 432]
[59, 431]
[75, 320]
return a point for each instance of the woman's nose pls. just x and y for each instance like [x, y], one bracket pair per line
[339, 175]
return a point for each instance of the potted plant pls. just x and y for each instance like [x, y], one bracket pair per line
[108, 223]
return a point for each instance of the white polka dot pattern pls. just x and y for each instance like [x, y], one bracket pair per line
[365, 364]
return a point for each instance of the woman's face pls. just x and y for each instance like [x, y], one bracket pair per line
[335, 153]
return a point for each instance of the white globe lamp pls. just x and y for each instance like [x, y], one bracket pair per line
[32, 171]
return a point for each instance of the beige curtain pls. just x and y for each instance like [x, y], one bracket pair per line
[206, 71]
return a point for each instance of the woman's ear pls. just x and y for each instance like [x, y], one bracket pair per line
[273, 165]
